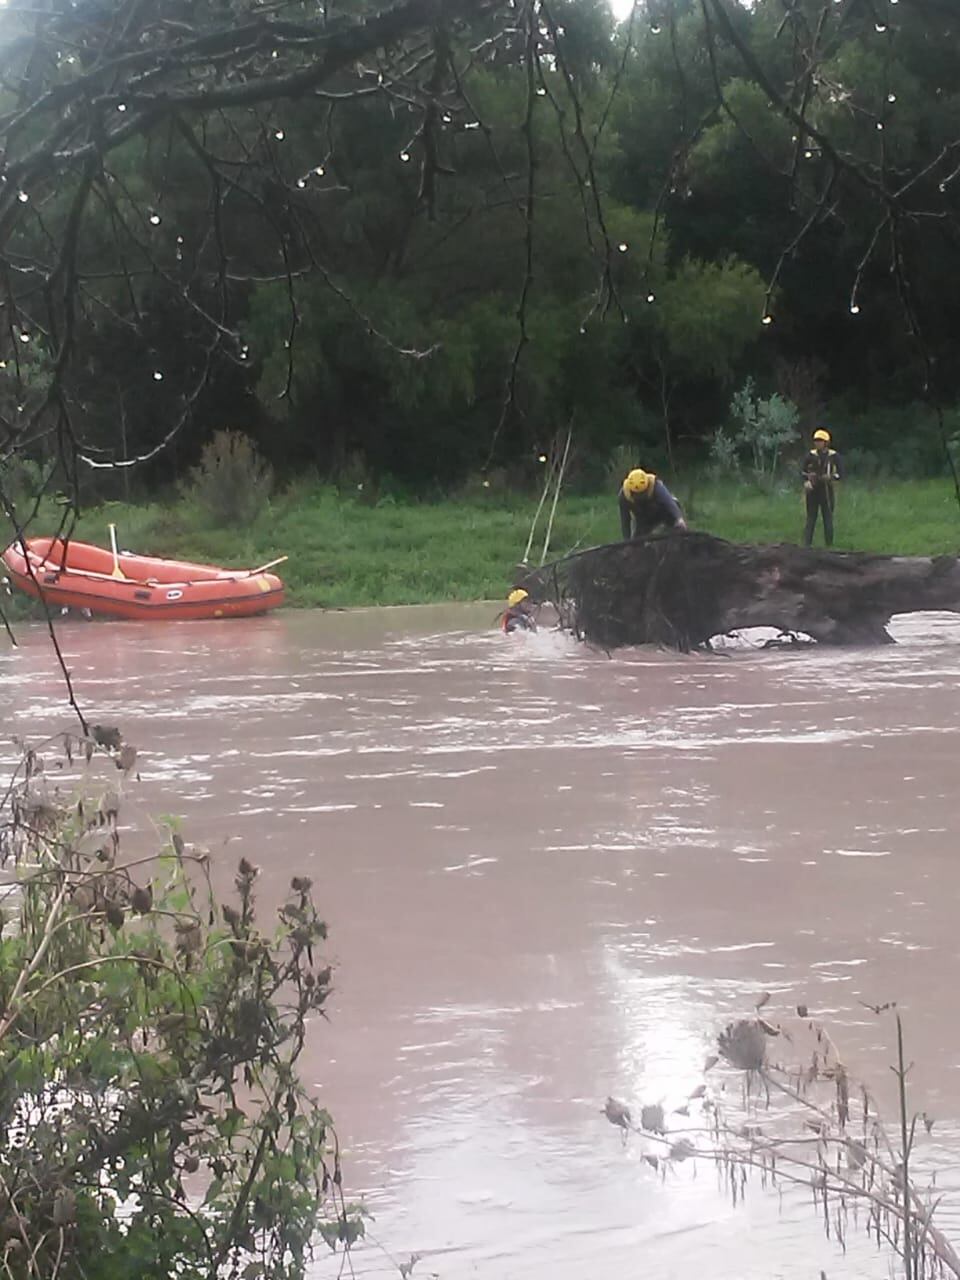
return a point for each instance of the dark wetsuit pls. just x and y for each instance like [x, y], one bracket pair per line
[516, 618]
[820, 470]
[647, 511]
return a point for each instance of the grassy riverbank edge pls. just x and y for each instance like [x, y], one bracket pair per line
[344, 553]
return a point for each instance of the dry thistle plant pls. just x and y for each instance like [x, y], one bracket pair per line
[807, 1124]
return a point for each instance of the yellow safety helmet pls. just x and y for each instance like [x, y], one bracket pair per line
[822, 435]
[516, 596]
[637, 482]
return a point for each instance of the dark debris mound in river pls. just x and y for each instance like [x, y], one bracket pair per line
[680, 589]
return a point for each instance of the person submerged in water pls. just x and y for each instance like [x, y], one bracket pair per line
[645, 504]
[518, 615]
[821, 470]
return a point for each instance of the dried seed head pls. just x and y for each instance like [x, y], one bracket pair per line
[617, 1113]
[744, 1045]
[142, 899]
[652, 1118]
[108, 736]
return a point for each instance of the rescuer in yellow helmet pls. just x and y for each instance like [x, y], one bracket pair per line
[645, 504]
[518, 615]
[821, 470]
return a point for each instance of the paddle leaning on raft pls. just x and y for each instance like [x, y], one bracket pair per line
[114, 584]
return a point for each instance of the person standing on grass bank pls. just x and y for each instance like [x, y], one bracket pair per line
[821, 471]
[645, 504]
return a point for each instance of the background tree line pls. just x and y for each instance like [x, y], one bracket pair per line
[418, 241]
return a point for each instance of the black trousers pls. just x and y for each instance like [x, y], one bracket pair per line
[819, 502]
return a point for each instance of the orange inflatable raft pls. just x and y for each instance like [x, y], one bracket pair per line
[77, 575]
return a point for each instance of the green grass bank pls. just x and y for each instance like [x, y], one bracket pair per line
[344, 553]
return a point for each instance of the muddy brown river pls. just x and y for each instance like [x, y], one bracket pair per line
[551, 875]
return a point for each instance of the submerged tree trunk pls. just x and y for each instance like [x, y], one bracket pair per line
[679, 589]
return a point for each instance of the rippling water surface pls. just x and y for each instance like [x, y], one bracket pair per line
[551, 875]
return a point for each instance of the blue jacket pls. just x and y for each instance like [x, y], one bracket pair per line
[647, 511]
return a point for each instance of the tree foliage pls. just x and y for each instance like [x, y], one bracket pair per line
[395, 233]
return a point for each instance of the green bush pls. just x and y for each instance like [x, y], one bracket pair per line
[764, 426]
[724, 457]
[155, 1122]
[232, 483]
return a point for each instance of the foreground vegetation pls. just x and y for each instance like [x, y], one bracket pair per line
[346, 553]
[153, 1022]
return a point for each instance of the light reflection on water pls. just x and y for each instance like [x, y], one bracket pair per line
[551, 875]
